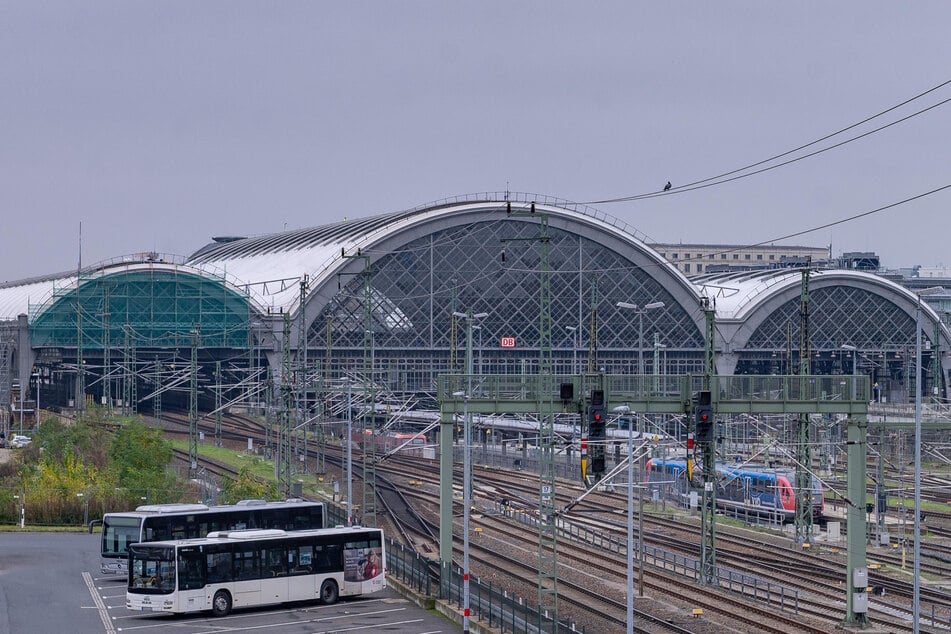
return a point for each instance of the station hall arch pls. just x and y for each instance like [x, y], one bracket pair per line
[478, 256]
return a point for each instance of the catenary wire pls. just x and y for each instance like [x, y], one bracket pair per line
[721, 178]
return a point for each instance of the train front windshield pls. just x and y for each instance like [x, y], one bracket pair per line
[153, 569]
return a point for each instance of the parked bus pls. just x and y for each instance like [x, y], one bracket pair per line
[240, 569]
[159, 522]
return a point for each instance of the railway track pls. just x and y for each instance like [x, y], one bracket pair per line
[492, 485]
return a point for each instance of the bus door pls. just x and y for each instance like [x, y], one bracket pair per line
[302, 585]
[191, 579]
[274, 585]
[247, 575]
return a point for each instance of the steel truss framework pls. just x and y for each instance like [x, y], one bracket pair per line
[413, 289]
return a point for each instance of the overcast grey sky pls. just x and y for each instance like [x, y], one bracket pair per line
[162, 124]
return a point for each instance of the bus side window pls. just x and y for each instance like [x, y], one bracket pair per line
[245, 564]
[276, 561]
[303, 559]
[219, 567]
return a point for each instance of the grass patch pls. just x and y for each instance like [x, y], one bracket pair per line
[261, 468]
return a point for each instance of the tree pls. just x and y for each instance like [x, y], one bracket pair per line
[246, 486]
[139, 459]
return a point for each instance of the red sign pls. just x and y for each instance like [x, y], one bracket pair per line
[508, 342]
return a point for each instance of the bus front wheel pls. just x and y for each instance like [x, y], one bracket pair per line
[221, 604]
[329, 592]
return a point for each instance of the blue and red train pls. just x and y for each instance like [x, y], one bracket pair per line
[741, 489]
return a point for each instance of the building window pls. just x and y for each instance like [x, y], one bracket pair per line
[673, 255]
[759, 256]
[723, 256]
[699, 268]
[772, 257]
[711, 256]
[747, 256]
[686, 268]
[736, 256]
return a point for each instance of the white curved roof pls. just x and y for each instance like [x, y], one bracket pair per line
[737, 294]
[17, 297]
[273, 265]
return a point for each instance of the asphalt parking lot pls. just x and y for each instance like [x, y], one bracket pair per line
[50, 582]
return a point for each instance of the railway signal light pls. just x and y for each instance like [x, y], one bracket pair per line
[597, 415]
[597, 433]
[703, 417]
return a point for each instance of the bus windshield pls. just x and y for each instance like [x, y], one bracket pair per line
[117, 533]
[153, 569]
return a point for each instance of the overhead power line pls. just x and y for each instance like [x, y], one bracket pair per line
[738, 173]
[851, 218]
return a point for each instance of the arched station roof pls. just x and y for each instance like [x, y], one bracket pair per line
[479, 252]
[161, 299]
[421, 258]
[846, 307]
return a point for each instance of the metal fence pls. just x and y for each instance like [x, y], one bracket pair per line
[489, 604]
[753, 587]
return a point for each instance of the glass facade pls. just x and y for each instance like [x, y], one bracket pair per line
[396, 314]
[494, 267]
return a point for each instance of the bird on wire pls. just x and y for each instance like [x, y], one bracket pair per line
[667, 187]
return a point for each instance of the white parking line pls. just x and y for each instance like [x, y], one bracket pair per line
[332, 629]
[223, 627]
[100, 605]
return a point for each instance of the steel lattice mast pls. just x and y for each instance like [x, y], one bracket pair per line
[283, 461]
[302, 381]
[193, 405]
[708, 453]
[217, 403]
[368, 510]
[129, 393]
[106, 351]
[547, 531]
[804, 492]
[368, 502]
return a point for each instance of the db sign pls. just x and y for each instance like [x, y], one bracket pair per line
[508, 342]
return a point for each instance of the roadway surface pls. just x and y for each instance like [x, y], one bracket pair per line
[50, 582]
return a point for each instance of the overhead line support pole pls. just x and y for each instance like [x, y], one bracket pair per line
[804, 492]
[707, 444]
[547, 532]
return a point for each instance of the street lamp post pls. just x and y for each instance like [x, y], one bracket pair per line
[85, 499]
[466, 462]
[640, 310]
[22, 498]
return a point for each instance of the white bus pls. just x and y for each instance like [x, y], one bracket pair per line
[238, 569]
[159, 522]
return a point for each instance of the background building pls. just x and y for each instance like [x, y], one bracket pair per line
[692, 259]
[372, 301]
